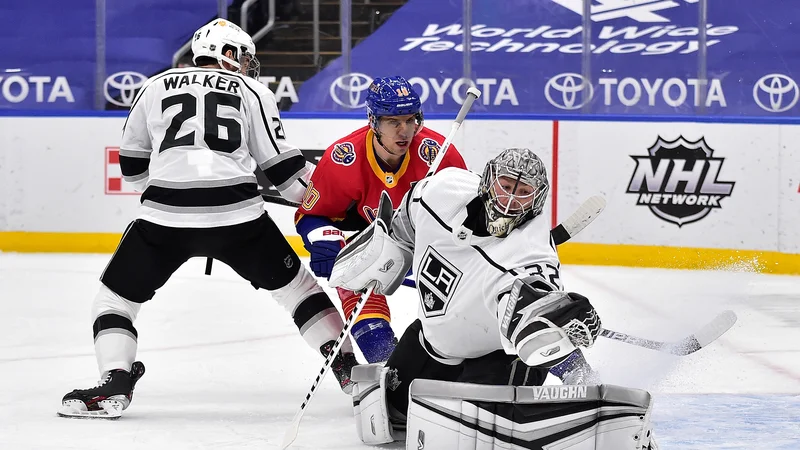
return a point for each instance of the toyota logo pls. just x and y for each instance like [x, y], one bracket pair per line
[568, 85]
[346, 90]
[127, 83]
[781, 91]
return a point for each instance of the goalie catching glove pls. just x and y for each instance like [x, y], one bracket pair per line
[372, 256]
[544, 327]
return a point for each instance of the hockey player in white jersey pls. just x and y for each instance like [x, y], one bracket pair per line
[191, 143]
[493, 317]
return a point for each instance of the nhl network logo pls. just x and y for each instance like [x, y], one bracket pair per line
[678, 180]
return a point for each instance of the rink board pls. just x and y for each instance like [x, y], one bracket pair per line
[737, 205]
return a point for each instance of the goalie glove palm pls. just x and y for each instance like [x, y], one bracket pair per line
[544, 327]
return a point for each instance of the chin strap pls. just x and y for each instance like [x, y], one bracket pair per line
[373, 122]
[380, 142]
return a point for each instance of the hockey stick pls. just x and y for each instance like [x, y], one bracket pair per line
[384, 219]
[472, 94]
[279, 201]
[686, 346]
[583, 216]
[291, 432]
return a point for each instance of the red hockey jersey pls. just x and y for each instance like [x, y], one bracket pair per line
[349, 176]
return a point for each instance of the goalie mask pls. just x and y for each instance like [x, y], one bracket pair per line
[513, 188]
[216, 38]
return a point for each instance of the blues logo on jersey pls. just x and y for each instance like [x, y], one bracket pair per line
[371, 213]
[428, 149]
[344, 153]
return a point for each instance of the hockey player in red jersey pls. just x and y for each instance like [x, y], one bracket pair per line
[389, 154]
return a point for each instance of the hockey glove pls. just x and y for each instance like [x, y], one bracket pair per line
[544, 327]
[579, 320]
[324, 244]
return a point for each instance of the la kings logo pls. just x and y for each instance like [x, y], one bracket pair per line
[678, 180]
[436, 283]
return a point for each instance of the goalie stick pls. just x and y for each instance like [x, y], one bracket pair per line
[686, 346]
[583, 216]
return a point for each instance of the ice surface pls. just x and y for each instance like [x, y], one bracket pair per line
[226, 368]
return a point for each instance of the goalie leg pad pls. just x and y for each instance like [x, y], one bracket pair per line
[369, 404]
[472, 416]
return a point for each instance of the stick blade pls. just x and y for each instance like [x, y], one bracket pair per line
[706, 335]
[291, 432]
[582, 217]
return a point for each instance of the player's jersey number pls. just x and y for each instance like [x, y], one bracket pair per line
[211, 125]
[548, 273]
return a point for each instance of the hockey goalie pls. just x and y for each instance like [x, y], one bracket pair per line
[493, 317]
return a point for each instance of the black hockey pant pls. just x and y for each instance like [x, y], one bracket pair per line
[149, 254]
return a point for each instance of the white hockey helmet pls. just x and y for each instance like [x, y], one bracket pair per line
[213, 39]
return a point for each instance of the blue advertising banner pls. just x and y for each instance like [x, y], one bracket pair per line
[50, 49]
[528, 57]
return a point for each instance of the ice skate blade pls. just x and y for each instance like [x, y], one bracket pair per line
[112, 410]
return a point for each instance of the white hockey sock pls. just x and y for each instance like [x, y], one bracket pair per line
[323, 328]
[313, 312]
[115, 338]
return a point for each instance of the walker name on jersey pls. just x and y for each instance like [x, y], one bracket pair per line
[437, 281]
[207, 80]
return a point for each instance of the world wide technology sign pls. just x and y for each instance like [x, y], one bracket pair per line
[527, 58]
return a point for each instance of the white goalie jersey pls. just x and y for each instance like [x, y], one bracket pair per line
[460, 275]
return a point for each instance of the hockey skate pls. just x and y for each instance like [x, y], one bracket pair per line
[105, 401]
[342, 366]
